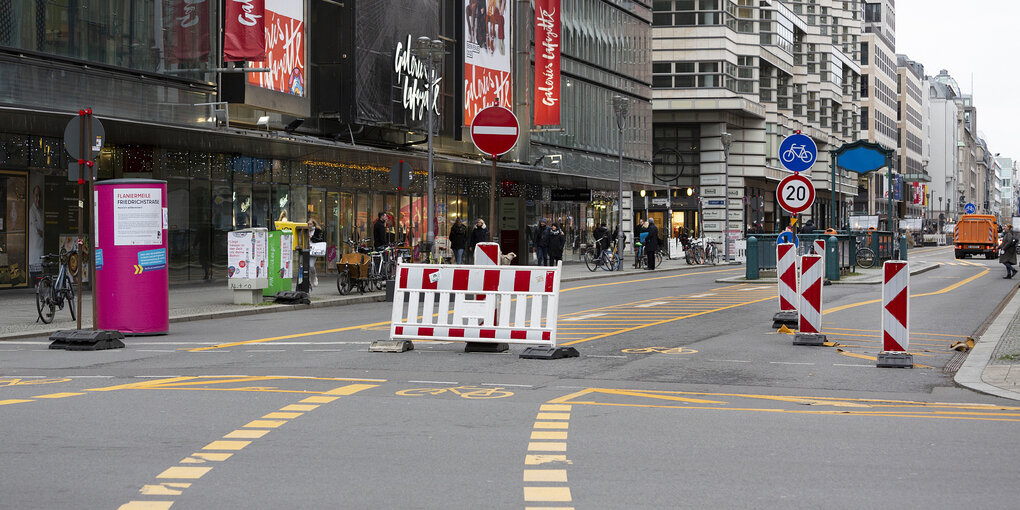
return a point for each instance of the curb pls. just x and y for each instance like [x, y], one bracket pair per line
[970, 373]
[372, 297]
[928, 266]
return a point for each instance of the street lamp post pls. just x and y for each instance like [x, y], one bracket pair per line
[430, 50]
[621, 106]
[727, 140]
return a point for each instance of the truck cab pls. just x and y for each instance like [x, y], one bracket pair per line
[976, 234]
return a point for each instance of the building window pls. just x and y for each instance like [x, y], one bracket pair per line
[872, 13]
[864, 85]
[864, 118]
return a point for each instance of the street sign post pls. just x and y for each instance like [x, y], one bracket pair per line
[798, 152]
[796, 193]
[494, 131]
[400, 175]
[970, 208]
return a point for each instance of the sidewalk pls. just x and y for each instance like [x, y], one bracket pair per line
[993, 365]
[862, 276]
[189, 302]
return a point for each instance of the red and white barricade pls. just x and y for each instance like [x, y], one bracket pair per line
[895, 316]
[819, 248]
[434, 302]
[786, 274]
[895, 309]
[488, 254]
[810, 308]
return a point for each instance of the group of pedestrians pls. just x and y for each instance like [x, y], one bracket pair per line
[461, 240]
[549, 243]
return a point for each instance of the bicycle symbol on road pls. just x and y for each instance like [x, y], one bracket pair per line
[471, 392]
[799, 152]
[660, 350]
[27, 382]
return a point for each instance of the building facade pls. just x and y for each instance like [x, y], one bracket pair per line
[730, 81]
[315, 135]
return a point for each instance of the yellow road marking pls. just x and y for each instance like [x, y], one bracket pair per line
[549, 434]
[146, 505]
[879, 331]
[299, 407]
[285, 416]
[203, 457]
[874, 358]
[58, 395]
[318, 400]
[14, 401]
[547, 494]
[547, 446]
[538, 459]
[551, 425]
[688, 273]
[553, 416]
[142, 384]
[269, 424]
[545, 475]
[350, 389]
[941, 291]
[226, 445]
[189, 473]
[164, 489]
[246, 434]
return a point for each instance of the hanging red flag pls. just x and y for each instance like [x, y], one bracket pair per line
[244, 34]
[188, 37]
[547, 62]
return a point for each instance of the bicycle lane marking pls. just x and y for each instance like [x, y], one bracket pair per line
[940, 291]
[546, 460]
[386, 323]
[174, 480]
[14, 381]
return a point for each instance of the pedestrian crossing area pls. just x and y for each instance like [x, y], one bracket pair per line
[959, 262]
[593, 324]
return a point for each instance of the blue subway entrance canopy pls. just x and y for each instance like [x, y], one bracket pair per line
[863, 156]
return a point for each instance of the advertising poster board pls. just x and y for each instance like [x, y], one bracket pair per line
[547, 62]
[137, 216]
[285, 49]
[247, 258]
[488, 52]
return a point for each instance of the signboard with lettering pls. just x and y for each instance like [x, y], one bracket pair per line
[547, 62]
[285, 48]
[488, 52]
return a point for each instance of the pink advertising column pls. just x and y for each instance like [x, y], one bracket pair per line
[132, 280]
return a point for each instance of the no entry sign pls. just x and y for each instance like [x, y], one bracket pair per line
[495, 130]
[796, 193]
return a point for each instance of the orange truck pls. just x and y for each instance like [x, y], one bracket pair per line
[976, 234]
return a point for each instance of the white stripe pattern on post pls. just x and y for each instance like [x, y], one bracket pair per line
[786, 275]
[496, 304]
[895, 306]
[487, 254]
[819, 246]
[810, 309]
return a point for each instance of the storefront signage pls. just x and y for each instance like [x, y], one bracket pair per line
[488, 50]
[571, 195]
[244, 31]
[413, 75]
[547, 62]
[284, 48]
[137, 216]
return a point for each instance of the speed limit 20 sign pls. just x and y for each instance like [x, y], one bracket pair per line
[796, 193]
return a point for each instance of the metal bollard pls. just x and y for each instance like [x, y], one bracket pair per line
[751, 273]
[903, 247]
[832, 258]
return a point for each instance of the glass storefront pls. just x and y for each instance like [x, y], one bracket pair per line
[15, 225]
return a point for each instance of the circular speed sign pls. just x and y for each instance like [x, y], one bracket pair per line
[795, 193]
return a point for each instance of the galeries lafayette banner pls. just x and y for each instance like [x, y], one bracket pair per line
[487, 55]
[547, 62]
[284, 48]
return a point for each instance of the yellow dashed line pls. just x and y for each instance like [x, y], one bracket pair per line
[14, 401]
[226, 445]
[269, 424]
[288, 416]
[164, 489]
[181, 472]
[548, 434]
[299, 407]
[547, 446]
[246, 434]
[547, 494]
[203, 457]
[146, 505]
[551, 424]
[318, 400]
[545, 475]
[58, 395]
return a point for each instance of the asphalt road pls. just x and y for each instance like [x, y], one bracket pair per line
[683, 397]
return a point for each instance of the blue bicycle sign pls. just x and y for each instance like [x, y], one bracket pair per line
[798, 152]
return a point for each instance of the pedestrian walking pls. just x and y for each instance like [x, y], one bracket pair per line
[379, 237]
[556, 241]
[651, 243]
[317, 248]
[458, 239]
[480, 234]
[1007, 252]
[542, 242]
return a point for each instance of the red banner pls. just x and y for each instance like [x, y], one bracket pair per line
[285, 49]
[188, 38]
[244, 34]
[547, 62]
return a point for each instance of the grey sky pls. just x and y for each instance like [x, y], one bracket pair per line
[978, 38]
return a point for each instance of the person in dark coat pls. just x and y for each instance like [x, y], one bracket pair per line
[458, 239]
[379, 232]
[651, 243]
[1007, 251]
[556, 241]
[480, 234]
[808, 227]
[601, 235]
[542, 242]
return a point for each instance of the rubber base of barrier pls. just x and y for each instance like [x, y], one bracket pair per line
[816, 339]
[888, 359]
[789, 318]
[87, 340]
[544, 352]
[391, 346]
[486, 347]
[292, 297]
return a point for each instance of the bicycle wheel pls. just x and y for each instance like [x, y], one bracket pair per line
[699, 255]
[865, 257]
[44, 300]
[613, 262]
[343, 283]
[689, 255]
[68, 294]
[658, 258]
[590, 261]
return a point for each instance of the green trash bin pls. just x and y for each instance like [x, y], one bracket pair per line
[281, 262]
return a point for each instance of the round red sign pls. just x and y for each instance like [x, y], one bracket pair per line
[495, 130]
[796, 193]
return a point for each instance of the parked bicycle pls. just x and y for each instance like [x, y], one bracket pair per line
[865, 256]
[607, 259]
[711, 252]
[51, 291]
[693, 253]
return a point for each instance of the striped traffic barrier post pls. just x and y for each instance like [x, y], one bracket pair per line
[895, 316]
[786, 277]
[810, 307]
